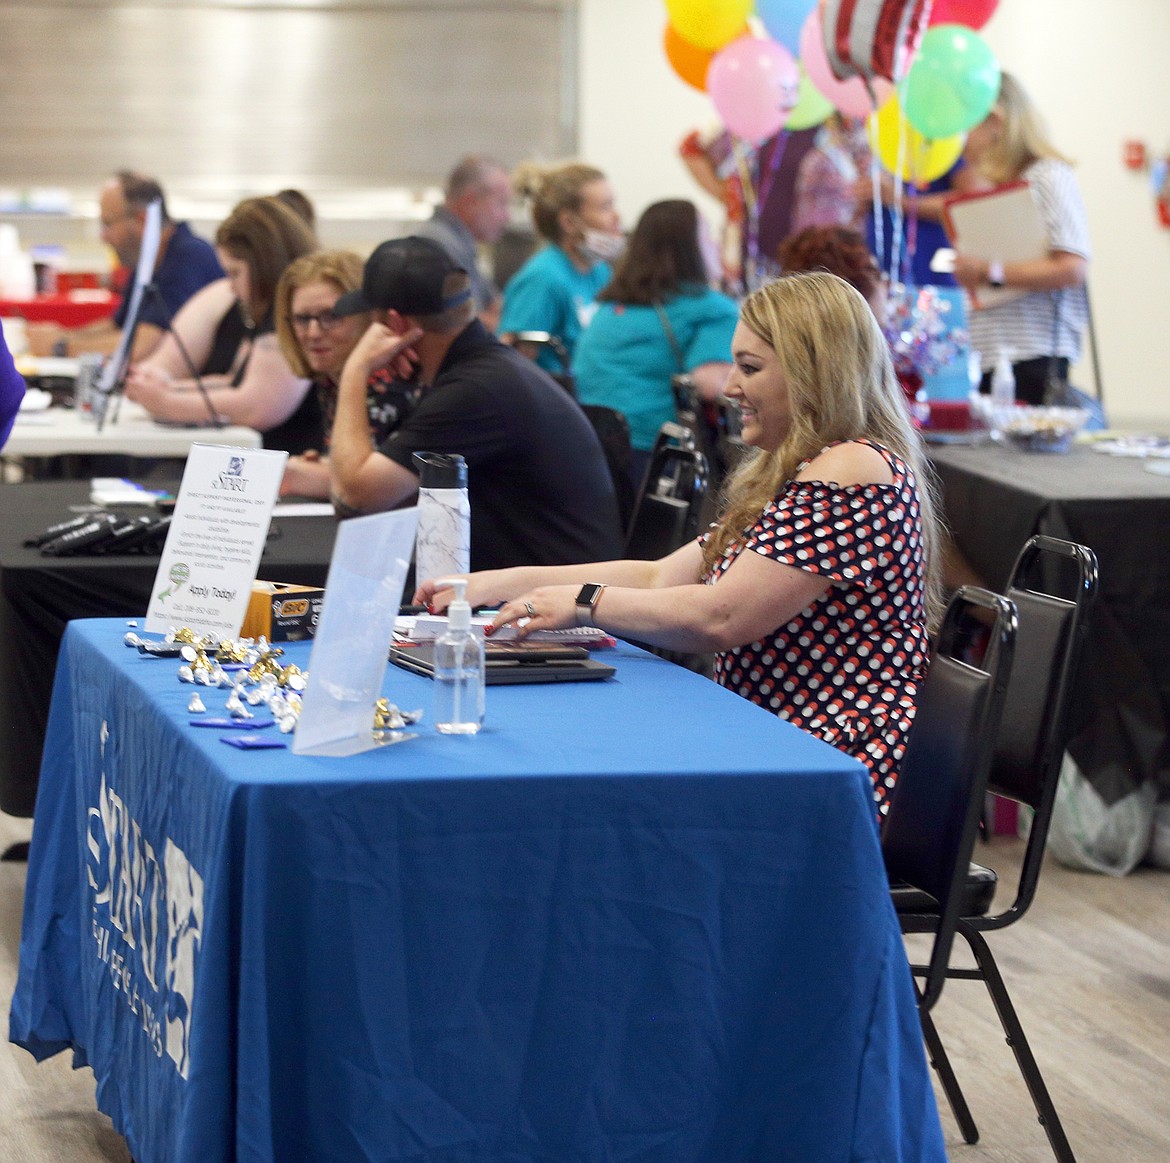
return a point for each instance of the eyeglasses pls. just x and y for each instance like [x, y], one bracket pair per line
[326, 320]
[110, 223]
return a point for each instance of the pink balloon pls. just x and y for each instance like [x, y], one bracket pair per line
[851, 97]
[754, 84]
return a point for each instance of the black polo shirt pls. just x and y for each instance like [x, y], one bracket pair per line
[540, 490]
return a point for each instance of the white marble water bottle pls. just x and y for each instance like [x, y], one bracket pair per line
[443, 546]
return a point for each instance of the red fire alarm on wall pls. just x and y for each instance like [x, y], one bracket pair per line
[1134, 154]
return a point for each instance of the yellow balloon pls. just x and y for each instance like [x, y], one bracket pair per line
[708, 24]
[923, 158]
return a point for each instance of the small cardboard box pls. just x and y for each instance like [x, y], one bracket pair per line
[282, 612]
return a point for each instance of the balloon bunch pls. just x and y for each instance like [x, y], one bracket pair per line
[919, 71]
[752, 56]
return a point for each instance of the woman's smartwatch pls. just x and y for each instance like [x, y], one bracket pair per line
[587, 598]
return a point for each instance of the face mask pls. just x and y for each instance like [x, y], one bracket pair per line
[601, 246]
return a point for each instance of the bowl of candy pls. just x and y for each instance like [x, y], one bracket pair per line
[1035, 429]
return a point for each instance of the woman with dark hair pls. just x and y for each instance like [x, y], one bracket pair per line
[316, 343]
[815, 587]
[657, 318]
[555, 290]
[225, 334]
[298, 201]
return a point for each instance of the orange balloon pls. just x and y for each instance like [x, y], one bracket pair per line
[688, 60]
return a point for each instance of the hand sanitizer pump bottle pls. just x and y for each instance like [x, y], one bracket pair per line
[459, 669]
[1003, 383]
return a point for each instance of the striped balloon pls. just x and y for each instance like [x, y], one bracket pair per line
[872, 38]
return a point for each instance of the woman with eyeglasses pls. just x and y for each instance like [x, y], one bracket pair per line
[221, 355]
[316, 344]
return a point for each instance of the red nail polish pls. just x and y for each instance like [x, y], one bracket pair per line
[489, 631]
[430, 607]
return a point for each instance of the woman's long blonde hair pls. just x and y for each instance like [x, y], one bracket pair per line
[841, 386]
[1023, 138]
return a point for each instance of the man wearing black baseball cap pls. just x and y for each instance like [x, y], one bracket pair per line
[540, 490]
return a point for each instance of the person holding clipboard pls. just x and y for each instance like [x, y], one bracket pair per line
[1022, 247]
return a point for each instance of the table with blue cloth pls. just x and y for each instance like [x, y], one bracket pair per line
[635, 919]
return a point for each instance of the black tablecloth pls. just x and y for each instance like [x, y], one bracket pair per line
[38, 595]
[995, 498]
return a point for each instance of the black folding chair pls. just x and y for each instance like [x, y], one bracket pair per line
[715, 425]
[532, 343]
[929, 834]
[666, 513]
[611, 426]
[1029, 747]
[613, 430]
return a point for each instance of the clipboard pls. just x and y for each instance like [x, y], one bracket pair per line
[1003, 224]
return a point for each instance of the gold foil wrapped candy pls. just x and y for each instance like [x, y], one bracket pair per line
[232, 650]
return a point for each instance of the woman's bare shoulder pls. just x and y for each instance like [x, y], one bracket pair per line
[849, 463]
[217, 294]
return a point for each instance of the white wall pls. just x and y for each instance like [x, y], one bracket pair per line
[1095, 67]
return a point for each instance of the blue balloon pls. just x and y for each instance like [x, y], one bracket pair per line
[783, 20]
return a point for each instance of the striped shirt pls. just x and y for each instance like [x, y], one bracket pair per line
[1025, 326]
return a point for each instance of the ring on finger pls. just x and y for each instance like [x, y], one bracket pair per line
[531, 609]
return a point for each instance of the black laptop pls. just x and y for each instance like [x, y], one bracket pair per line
[508, 663]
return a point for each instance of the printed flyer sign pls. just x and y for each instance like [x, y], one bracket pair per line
[217, 534]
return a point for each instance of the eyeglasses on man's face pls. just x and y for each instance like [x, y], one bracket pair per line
[326, 320]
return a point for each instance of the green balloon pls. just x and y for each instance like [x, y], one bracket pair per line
[952, 83]
[812, 106]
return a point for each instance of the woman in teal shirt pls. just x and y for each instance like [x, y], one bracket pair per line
[556, 289]
[656, 319]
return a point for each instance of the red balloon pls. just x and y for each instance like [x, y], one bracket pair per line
[972, 13]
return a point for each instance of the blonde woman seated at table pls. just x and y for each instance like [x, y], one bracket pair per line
[316, 343]
[226, 331]
[815, 585]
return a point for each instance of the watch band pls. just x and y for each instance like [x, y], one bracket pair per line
[587, 598]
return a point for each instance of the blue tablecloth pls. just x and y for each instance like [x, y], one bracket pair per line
[636, 920]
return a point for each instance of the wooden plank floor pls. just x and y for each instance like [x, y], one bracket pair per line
[1088, 968]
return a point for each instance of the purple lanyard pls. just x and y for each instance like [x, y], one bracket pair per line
[755, 207]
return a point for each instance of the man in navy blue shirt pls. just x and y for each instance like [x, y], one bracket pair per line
[185, 264]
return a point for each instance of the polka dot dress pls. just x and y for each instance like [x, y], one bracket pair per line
[846, 668]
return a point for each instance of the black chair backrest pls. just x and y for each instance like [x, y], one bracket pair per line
[613, 430]
[929, 833]
[666, 513]
[1052, 632]
[672, 435]
[531, 343]
[1030, 743]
